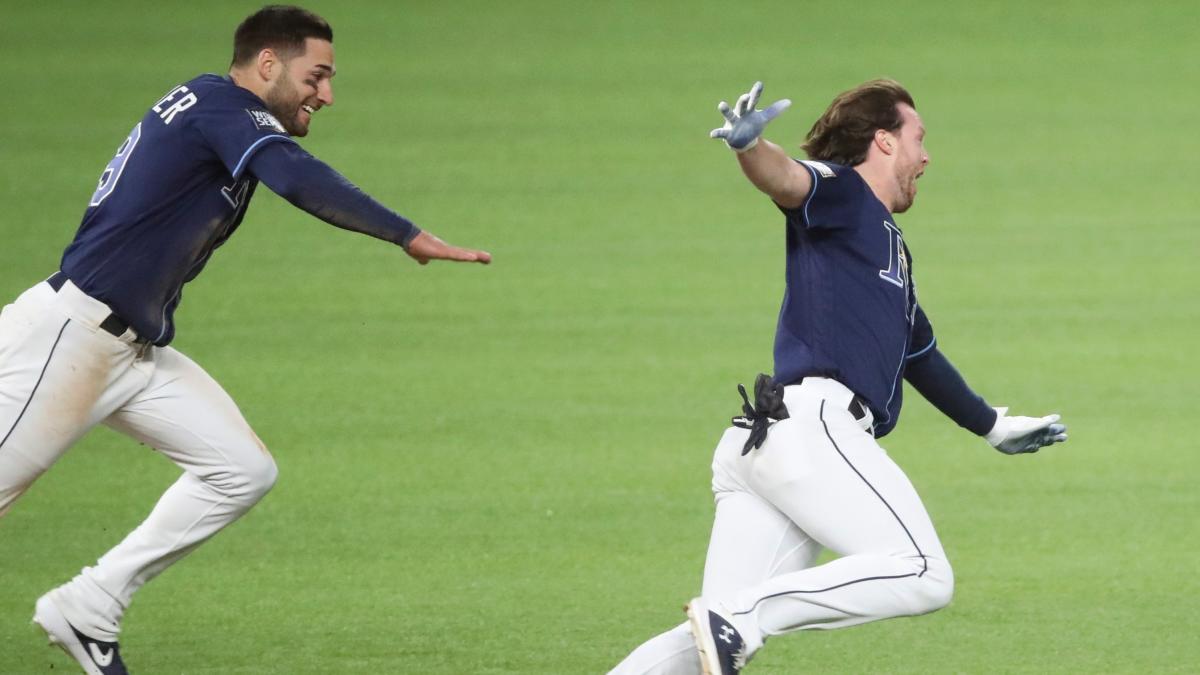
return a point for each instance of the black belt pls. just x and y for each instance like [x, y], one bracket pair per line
[769, 408]
[112, 324]
[858, 405]
[858, 408]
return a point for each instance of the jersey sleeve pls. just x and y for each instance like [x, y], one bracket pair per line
[833, 200]
[235, 124]
[315, 187]
[923, 341]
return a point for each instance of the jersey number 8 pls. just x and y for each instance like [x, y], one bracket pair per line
[112, 172]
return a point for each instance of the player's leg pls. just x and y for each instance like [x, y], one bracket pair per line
[751, 541]
[836, 483]
[59, 377]
[188, 417]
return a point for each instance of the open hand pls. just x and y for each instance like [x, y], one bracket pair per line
[1016, 435]
[425, 247]
[744, 124]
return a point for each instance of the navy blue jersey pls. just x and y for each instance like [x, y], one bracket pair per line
[849, 310]
[176, 190]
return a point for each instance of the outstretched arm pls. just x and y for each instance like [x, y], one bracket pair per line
[932, 374]
[766, 165]
[312, 185]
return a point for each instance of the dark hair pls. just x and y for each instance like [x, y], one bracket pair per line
[283, 28]
[843, 134]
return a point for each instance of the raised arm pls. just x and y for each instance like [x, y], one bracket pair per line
[767, 166]
[312, 185]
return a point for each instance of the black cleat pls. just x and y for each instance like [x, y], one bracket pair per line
[96, 657]
[722, 649]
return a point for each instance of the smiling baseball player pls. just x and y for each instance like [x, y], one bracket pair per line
[801, 469]
[91, 344]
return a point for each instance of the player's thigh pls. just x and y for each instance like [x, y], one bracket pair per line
[751, 539]
[840, 487]
[58, 379]
[186, 415]
[751, 542]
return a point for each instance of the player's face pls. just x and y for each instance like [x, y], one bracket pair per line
[303, 87]
[911, 159]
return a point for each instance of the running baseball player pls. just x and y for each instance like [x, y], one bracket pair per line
[91, 344]
[802, 469]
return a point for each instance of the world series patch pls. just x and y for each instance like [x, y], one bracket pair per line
[824, 169]
[265, 120]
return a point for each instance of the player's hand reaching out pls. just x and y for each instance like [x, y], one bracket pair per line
[1016, 435]
[744, 124]
[425, 247]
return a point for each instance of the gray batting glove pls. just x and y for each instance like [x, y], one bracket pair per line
[744, 124]
[1016, 435]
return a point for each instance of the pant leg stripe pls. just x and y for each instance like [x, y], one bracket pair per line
[822, 590]
[36, 385]
[924, 562]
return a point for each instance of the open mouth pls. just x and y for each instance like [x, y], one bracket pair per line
[308, 109]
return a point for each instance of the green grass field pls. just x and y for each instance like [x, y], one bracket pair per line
[505, 469]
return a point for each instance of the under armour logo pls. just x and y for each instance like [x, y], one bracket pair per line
[726, 632]
[103, 660]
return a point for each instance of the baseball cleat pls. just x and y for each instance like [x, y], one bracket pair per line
[96, 657]
[722, 649]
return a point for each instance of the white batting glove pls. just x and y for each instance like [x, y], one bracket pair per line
[1016, 435]
[744, 124]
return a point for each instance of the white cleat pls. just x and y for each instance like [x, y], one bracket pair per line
[721, 647]
[96, 656]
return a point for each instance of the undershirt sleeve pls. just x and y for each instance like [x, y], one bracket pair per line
[932, 374]
[312, 185]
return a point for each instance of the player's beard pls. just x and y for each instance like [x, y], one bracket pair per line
[284, 103]
[908, 191]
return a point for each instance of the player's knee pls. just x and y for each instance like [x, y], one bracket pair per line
[251, 478]
[937, 587]
[259, 476]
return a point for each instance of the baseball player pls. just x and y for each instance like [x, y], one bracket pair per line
[802, 469]
[91, 344]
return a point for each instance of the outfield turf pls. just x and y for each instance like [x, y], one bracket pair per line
[505, 469]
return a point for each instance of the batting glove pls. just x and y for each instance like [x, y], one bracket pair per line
[744, 124]
[1016, 435]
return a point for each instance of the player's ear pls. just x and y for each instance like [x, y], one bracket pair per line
[268, 64]
[885, 141]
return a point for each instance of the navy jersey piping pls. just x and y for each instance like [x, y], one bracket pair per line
[811, 193]
[241, 165]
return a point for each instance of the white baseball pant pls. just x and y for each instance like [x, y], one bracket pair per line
[819, 481]
[61, 375]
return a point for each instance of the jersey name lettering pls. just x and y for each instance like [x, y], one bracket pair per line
[177, 105]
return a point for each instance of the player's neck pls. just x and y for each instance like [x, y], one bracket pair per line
[247, 80]
[882, 181]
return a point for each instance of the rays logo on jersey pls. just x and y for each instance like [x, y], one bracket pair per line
[265, 120]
